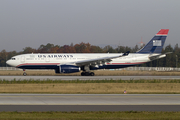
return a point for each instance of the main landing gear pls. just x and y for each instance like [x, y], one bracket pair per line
[24, 72]
[86, 71]
[87, 74]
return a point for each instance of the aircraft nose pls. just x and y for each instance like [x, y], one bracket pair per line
[9, 62]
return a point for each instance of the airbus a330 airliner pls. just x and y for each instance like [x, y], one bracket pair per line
[85, 62]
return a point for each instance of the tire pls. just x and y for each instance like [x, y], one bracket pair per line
[87, 74]
[91, 74]
[24, 74]
[82, 74]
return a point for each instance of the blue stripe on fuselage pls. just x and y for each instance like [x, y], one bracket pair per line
[91, 68]
[38, 67]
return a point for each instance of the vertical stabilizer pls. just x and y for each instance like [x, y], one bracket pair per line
[156, 44]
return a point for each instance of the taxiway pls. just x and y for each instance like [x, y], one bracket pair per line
[89, 102]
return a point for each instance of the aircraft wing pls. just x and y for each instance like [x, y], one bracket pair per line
[98, 60]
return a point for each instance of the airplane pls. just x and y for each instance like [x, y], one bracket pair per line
[85, 62]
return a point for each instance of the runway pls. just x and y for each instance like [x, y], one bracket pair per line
[89, 99]
[87, 77]
[89, 102]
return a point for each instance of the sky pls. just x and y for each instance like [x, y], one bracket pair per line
[31, 23]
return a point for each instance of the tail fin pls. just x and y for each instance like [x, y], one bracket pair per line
[156, 44]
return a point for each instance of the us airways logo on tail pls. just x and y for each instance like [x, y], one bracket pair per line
[55, 56]
[157, 43]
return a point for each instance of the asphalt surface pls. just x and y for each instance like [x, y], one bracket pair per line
[97, 102]
[69, 108]
[89, 99]
[89, 102]
[87, 77]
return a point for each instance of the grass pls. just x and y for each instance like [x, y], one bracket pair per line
[32, 81]
[129, 115]
[97, 73]
[92, 86]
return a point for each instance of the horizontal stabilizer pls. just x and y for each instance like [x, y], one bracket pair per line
[154, 57]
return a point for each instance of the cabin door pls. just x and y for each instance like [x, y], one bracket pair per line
[134, 59]
[22, 59]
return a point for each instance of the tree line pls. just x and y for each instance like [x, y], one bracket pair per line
[171, 60]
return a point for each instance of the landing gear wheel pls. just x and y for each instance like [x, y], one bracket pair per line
[24, 73]
[91, 74]
[87, 74]
[83, 74]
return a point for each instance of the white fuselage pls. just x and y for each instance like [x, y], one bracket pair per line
[49, 60]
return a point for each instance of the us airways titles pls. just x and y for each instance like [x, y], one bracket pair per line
[55, 56]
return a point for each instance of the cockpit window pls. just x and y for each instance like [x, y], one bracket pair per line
[13, 58]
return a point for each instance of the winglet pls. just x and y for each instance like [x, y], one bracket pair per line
[126, 53]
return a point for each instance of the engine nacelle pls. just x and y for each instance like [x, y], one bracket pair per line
[67, 69]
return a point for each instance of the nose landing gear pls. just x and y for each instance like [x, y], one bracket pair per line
[24, 72]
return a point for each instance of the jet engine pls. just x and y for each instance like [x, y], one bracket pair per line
[67, 69]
